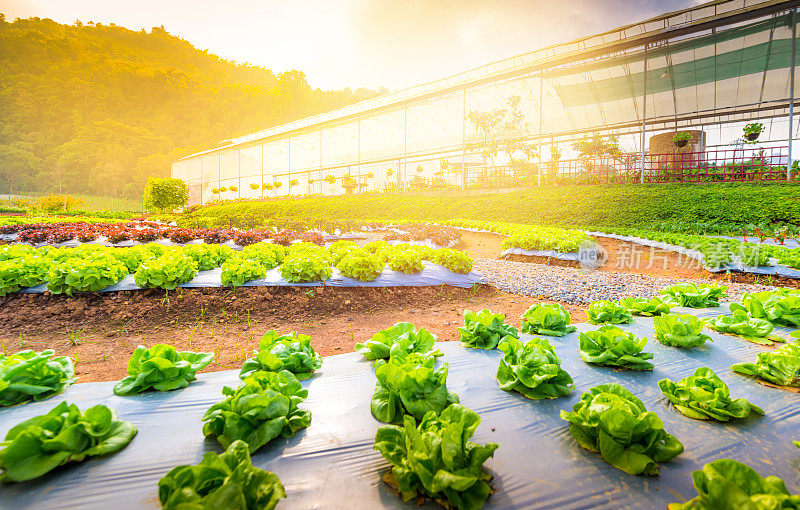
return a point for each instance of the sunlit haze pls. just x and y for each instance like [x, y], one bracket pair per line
[359, 43]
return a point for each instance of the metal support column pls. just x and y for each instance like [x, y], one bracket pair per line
[405, 148]
[644, 113]
[358, 168]
[791, 96]
[289, 157]
[541, 157]
[463, 139]
[262, 170]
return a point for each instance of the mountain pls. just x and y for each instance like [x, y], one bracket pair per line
[96, 109]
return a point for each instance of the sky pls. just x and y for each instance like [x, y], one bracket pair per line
[360, 43]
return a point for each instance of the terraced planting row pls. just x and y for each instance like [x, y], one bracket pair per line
[92, 268]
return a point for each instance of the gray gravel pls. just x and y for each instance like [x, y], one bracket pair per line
[576, 286]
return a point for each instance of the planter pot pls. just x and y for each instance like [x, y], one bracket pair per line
[681, 143]
[752, 137]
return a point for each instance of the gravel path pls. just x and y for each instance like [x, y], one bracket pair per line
[576, 286]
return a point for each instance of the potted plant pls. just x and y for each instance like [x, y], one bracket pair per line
[389, 172]
[330, 179]
[348, 183]
[681, 138]
[752, 130]
[254, 186]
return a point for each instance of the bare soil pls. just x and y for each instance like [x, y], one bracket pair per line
[100, 331]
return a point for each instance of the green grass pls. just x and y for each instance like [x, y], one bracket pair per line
[610, 205]
[97, 203]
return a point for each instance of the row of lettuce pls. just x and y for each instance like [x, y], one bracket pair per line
[265, 406]
[429, 449]
[90, 268]
[716, 252]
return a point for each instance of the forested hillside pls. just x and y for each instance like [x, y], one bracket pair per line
[91, 108]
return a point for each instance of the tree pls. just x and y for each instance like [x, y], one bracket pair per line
[165, 194]
[502, 134]
[17, 165]
[118, 106]
[598, 146]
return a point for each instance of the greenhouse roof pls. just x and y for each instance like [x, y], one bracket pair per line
[713, 44]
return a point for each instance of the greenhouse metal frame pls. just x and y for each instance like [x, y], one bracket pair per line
[713, 67]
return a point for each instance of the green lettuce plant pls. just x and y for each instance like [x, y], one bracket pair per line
[611, 420]
[532, 369]
[288, 351]
[402, 338]
[409, 384]
[261, 409]
[208, 256]
[608, 312]
[30, 375]
[549, 320]
[166, 272]
[693, 295]
[780, 366]
[680, 330]
[729, 484]
[405, 261]
[704, 396]
[85, 274]
[268, 255]
[236, 271]
[610, 345]
[739, 323]
[646, 307]
[339, 250]
[133, 257]
[36, 446]
[484, 329]
[228, 480]
[161, 368]
[780, 307]
[305, 266]
[455, 260]
[436, 459]
[28, 270]
[360, 265]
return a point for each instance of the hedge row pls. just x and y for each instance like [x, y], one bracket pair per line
[601, 206]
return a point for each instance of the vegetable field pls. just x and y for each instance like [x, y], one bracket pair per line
[499, 415]
[237, 332]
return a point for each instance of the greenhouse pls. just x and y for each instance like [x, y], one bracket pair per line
[707, 70]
